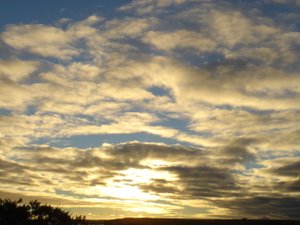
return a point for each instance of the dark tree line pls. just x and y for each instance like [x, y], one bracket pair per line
[34, 213]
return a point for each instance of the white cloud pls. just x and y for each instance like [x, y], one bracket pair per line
[16, 69]
[84, 28]
[19, 96]
[39, 39]
[129, 27]
[180, 39]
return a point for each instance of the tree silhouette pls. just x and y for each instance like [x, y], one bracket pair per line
[12, 212]
[16, 213]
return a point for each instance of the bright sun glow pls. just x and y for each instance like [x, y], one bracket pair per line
[126, 185]
[127, 192]
[145, 175]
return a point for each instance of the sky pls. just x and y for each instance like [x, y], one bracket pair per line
[152, 108]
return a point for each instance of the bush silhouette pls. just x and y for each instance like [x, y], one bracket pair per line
[17, 213]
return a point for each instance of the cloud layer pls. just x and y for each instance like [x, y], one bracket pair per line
[194, 106]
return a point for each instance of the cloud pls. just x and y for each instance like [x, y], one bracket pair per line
[43, 199]
[174, 173]
[17, 70]
[198, 182]
[289, 186]
[20, 96]
[232, 28]
[288, 167]
[238, 152]
[180, 39]
[39, 39]
[129, 27]
[276, 207]
[161, 186]
[84, 28]
[290, 2]
[234, 79]
[149, 6]
[241, 33]
[111, 160]
[220, 80]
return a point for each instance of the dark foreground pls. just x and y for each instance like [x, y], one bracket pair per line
[14, 212]
[145, 221]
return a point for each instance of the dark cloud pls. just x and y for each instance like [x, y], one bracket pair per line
[69, 193]
[286, 174]
[280, 207]
[288, 186]
[233, 66]
[238, 151]
[290, 169]
[198, 174]
[139, 151]
[201, 173]
[14, 173]
[10, 166]
[161, 186]
[205, 181]
[105, 163]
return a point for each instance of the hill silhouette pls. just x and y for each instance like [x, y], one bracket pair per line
[151, 221]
